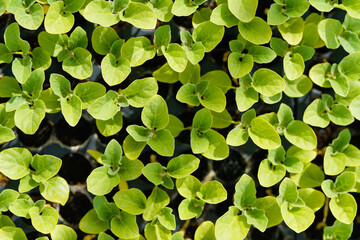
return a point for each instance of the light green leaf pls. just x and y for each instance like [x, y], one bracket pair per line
[218, 149]
[188, 186]
[345, 182]
[124, 225]
[154, 172]
[301, 135]
[221, 15]
[155, 113]
[338, 230]
[99, 182]
[58, 20]
[183, 8]
[237, 136]
[348, 66]
[190, 208]
[155, 202]
[209, 34]
[329, 30]
[132, 149]
[175, 126]
[271, 208]
[28, 118]
[315, 114]
[105, 107]
[130, 169]
[276, 15]
[55, 189]
[269, 174]
[240, 64]
[79, 64]
[138, 50]
[12, 232]
[256, 31]
[13, 41]
[205, 231]
[314, 199]
[62, 232]
[45, 166]
[298, 87]
[71, 109]
[268, 82]
[162, 142]
[297, 218]
[90, 223]
[244, 10]
[340, 115]
[46, 221]
[131, 200]
[344, 208]
[166, 74]
[334, 162]
[311, 176]
[114, 71]
[5, 55]
[231, 226]
[101, 12]
[103, 38]
[212, 192]
[264, 134]
[257, 218]
[162, 36]
[245, 192]
[7, 198]
[182, 165]
[88, 92]
[213, 99]
[30, 18]
[262, 54]
[167, 219]
[352, 8]
[53, 44]
[292, 30]
[139, 15]
[294, 65]
[41, 59]
[156, 231]
[175, 56]
[21, 68]
[279, 46]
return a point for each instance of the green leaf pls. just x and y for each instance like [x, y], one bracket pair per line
[240, 64]
[103, 38]
[351, 153]
[5, 55]
[196, 53]
[217, 149]
[246, 97]
[162, 36]
[296, 8]
[257, 218]
[90, 223]
[268, 82]
[30, 18]
[338, 230]
[120, 5]
[297, 218]
[55, 189]
[190, 208]
[231, 226]
[104, 209]
[269, 175]
[209, 34]
[202, 120]
[237, 136]
[139, 133]
[218, 79]
[340, 115]
[279, 46]
[4, 5]
[191, 74]
[341, 143]
[10, 232]
[22, 205]
[132, 149]
[41, 59]
[298, 87]
[101, 12]
[244, 10]
[154, 172]
[63, 232]
[205, 231]
[188, 186]
[221, 120]
[329, 30]
[71, 109]
[46, 221]
[311, 176]
[334, 162]
[167, 219]
[271, 208]
[73, 5]
[105, 107]
[7, 198]
[53, 44]
[131, 200]
[276, 15]
[9, 87]
[124, 225]
[162, 9]
[99, 182]
[58, 20]
[344, 208]
[183, 8]
[352, 8]
[6, 134]
[287, 192]
[78, 38]
[175, 126]
[256, 31]
[301, 135]
[114, 70]
[345, 182]
[221, 15]
[28, 118]
[45, 166]
[155, 113]
[245, 192]
[213, 99]
[140, 16]
[294, 65]
[313, 198]
[292, 30]
[264, 134]
[156, 231]
[348, 66]
[187, 94]
[138, 50]
[212, 192]
[162, 142]
[350, 42]
[60, 85]
[315, 114]
[88, 92]
[183, 165]
[130, 169]
[285, 115]
[155, 202]
[262, 54]
[166, 74]
[79, 64]
[113, 153]
[199, 142]
[21, 68]
[13, 41]
[322, 5]
[175, 56]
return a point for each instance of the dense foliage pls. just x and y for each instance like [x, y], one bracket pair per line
[174, 85]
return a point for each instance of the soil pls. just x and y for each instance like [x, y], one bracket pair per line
[39, 138]
[75, 168]
[73, 136]
[75, 208]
